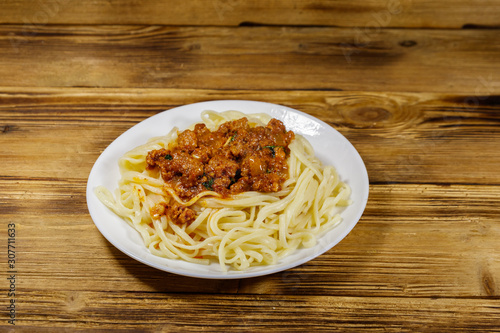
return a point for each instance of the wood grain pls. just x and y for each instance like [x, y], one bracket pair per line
[370, 15]
[414, 85]
[413, 240]
[402, 137]
[250, 58]
[154, 312]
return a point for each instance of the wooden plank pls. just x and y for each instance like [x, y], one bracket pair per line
[368, 15]
[413, 240]
[250, 57]
[59, 247]
[416, 240]
[153, 312]
[402, 137]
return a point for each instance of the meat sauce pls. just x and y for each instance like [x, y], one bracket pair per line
[233, 159]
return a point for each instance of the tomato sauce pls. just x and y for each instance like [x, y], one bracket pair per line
[234, 158]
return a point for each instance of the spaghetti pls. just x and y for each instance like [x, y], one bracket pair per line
[238, 223]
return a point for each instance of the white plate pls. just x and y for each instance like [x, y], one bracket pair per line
[330, 146]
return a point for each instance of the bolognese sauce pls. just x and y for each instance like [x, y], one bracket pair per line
[233, 159]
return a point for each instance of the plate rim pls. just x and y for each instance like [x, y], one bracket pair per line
[270, 269]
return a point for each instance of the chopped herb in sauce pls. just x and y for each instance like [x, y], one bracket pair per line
[273, 149]
[208, 184]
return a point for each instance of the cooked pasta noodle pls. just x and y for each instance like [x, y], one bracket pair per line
[243, 230]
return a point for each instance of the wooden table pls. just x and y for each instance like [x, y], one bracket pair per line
[414, 85]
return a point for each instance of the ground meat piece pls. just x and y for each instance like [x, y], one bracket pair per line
[202, 153]
[234, 126]
[276, 126]
[220, 185]
[187, 140]
[158, 209]
[221, 167]
[176, 212]
[180, 214]
[185, 165]
[267, 183]
[243, 184]
[156, 155]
